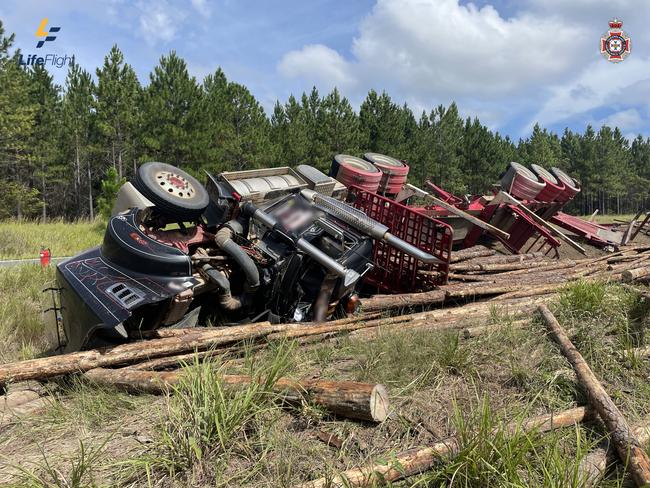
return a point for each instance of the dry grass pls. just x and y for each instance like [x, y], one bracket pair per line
[25, 330]
[20, 240]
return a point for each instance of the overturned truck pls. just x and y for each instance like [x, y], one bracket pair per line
[248, 246]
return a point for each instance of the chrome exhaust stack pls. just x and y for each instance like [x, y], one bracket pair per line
[362, 222]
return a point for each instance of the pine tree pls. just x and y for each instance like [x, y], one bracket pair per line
[449, 128]
[292, 134]
[50, 173]
[171, 115]
[17, 118]
[247, 141]
[78, 137]
[339, 129]
[117, 97]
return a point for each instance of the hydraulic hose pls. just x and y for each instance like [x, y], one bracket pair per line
[223, 239]
[226, 300]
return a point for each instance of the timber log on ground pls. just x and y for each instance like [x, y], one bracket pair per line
[415, 461]
[349, 399]
[627, 445]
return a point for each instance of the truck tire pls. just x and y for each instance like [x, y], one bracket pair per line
[175, 193]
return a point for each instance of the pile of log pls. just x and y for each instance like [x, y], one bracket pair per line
[480, 272]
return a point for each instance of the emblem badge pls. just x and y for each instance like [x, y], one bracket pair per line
[615, 44]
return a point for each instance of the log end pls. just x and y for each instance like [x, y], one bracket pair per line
[379, 403]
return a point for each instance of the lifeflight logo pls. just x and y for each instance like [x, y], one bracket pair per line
[50, 59]
[41, 32]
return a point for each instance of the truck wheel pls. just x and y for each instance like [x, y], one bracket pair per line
[174, 192]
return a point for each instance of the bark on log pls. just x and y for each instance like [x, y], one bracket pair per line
[349, 399]
[595, 464]
[384, 302]
[530, 292]
[636, 273]
[471, 253]
[133, 352]
[456, 318]
[551, 266]
[468, 277]
[415, 461]
[167, 332]
[201, 339]
[626, 444]
[503, 267]
[189, 358]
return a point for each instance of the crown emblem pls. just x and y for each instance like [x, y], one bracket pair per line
[615, 45]
[615, 23]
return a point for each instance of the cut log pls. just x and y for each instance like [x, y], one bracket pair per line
[636, 273]
[349, 399]
[471, 253]
[385, 302]
[627, 445]
[468, 277]
[189, 358]
[134, 352]
[456, 318]
[548, 266]
[474, 264]
[594, 465]
[530, 292]
[415, 461]
[502, 267]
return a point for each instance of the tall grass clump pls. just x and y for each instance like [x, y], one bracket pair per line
[494, 452]
[206, 420]
[24, 330]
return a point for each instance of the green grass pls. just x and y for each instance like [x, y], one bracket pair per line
[24, 330]
[492, 455]
[207, 422]
[608, 218]
[20, 240]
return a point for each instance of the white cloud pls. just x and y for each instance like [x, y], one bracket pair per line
[202, 7]
[543, 60]
[626, 120]
[319, 63]
[601, 84]
[159, 21]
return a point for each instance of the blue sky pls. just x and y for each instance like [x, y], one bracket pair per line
[512, 63]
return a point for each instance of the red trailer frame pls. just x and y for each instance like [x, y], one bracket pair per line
[396, 271]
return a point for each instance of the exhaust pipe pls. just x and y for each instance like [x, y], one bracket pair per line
[349, 275]
[362, 222]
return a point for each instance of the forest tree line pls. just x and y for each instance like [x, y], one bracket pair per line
[59, 144]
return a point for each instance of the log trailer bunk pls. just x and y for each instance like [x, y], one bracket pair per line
[523, 213]
[518, 210]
